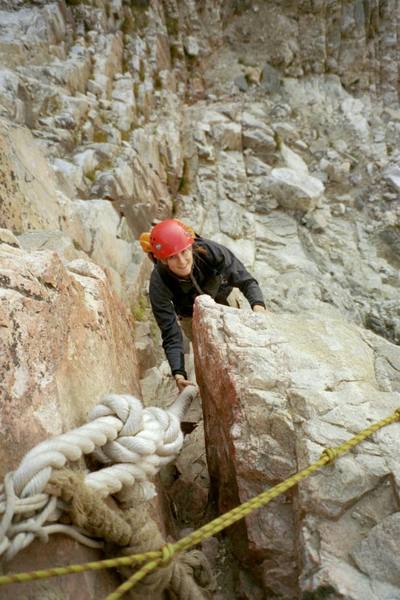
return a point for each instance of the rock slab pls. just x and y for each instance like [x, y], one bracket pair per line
[277, 390]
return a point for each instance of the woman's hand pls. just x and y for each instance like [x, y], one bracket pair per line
[259, 308]
[181, 382]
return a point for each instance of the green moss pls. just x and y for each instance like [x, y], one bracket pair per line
[240, 6]
[174, 53]
[139, 10]
[105, 165]
[172, 25]
[157, 81]
[184, 182]
[278, 140]
[140, 4]
[125, 135]
[139, 309]
[128, 24]
[154, 331]
[100, 136]
[142, 70]
[91, 175]
[126, 64]
[191, 61]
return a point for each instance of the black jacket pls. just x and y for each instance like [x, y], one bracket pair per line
[216, 273]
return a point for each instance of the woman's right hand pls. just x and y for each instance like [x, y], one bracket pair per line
[181, 382]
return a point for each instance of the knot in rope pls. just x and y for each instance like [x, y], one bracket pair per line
[126, 408]
[397, 413]
[134, 442]
[330, 453]
[149, 438]
[167, 554]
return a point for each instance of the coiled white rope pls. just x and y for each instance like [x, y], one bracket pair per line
[134, 442]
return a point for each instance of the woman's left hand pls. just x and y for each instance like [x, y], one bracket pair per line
[181, 382]
[259, 308]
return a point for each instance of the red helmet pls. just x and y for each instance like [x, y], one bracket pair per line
[170, 237]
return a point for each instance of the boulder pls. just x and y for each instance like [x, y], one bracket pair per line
[295, 190]
[191, 45]
[277, 389]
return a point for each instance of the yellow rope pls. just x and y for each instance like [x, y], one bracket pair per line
[122, 561]
[160, 558]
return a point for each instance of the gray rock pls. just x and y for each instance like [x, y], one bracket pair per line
[295, 190]
[378, 554]
[191, 45]
[51, 240]
[70, 177]
[392, 176]
[227, 136]
[144, 346]
[270, 79]
[241, 83]
[262, 144]
[318, 220]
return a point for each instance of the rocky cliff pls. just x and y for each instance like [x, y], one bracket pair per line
[272, 127]
[278, 390]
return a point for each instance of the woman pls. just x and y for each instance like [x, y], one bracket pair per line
[186, 265]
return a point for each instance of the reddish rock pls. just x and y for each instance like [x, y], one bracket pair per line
[238, 434]
[66, 339]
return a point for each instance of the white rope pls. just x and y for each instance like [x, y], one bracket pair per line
[134, 442]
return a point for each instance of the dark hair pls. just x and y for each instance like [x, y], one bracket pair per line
[197, 249]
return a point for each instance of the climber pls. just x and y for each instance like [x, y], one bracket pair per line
[185, 266]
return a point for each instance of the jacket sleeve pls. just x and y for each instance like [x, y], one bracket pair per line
[236, 274]
[164, 313]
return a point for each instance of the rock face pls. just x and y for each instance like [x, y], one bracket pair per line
[28, 187]
[66, 339]
[358, 41]
[277, 389]
[271, 127]
[89, 90]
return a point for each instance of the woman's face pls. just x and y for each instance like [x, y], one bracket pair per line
[181, 264]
